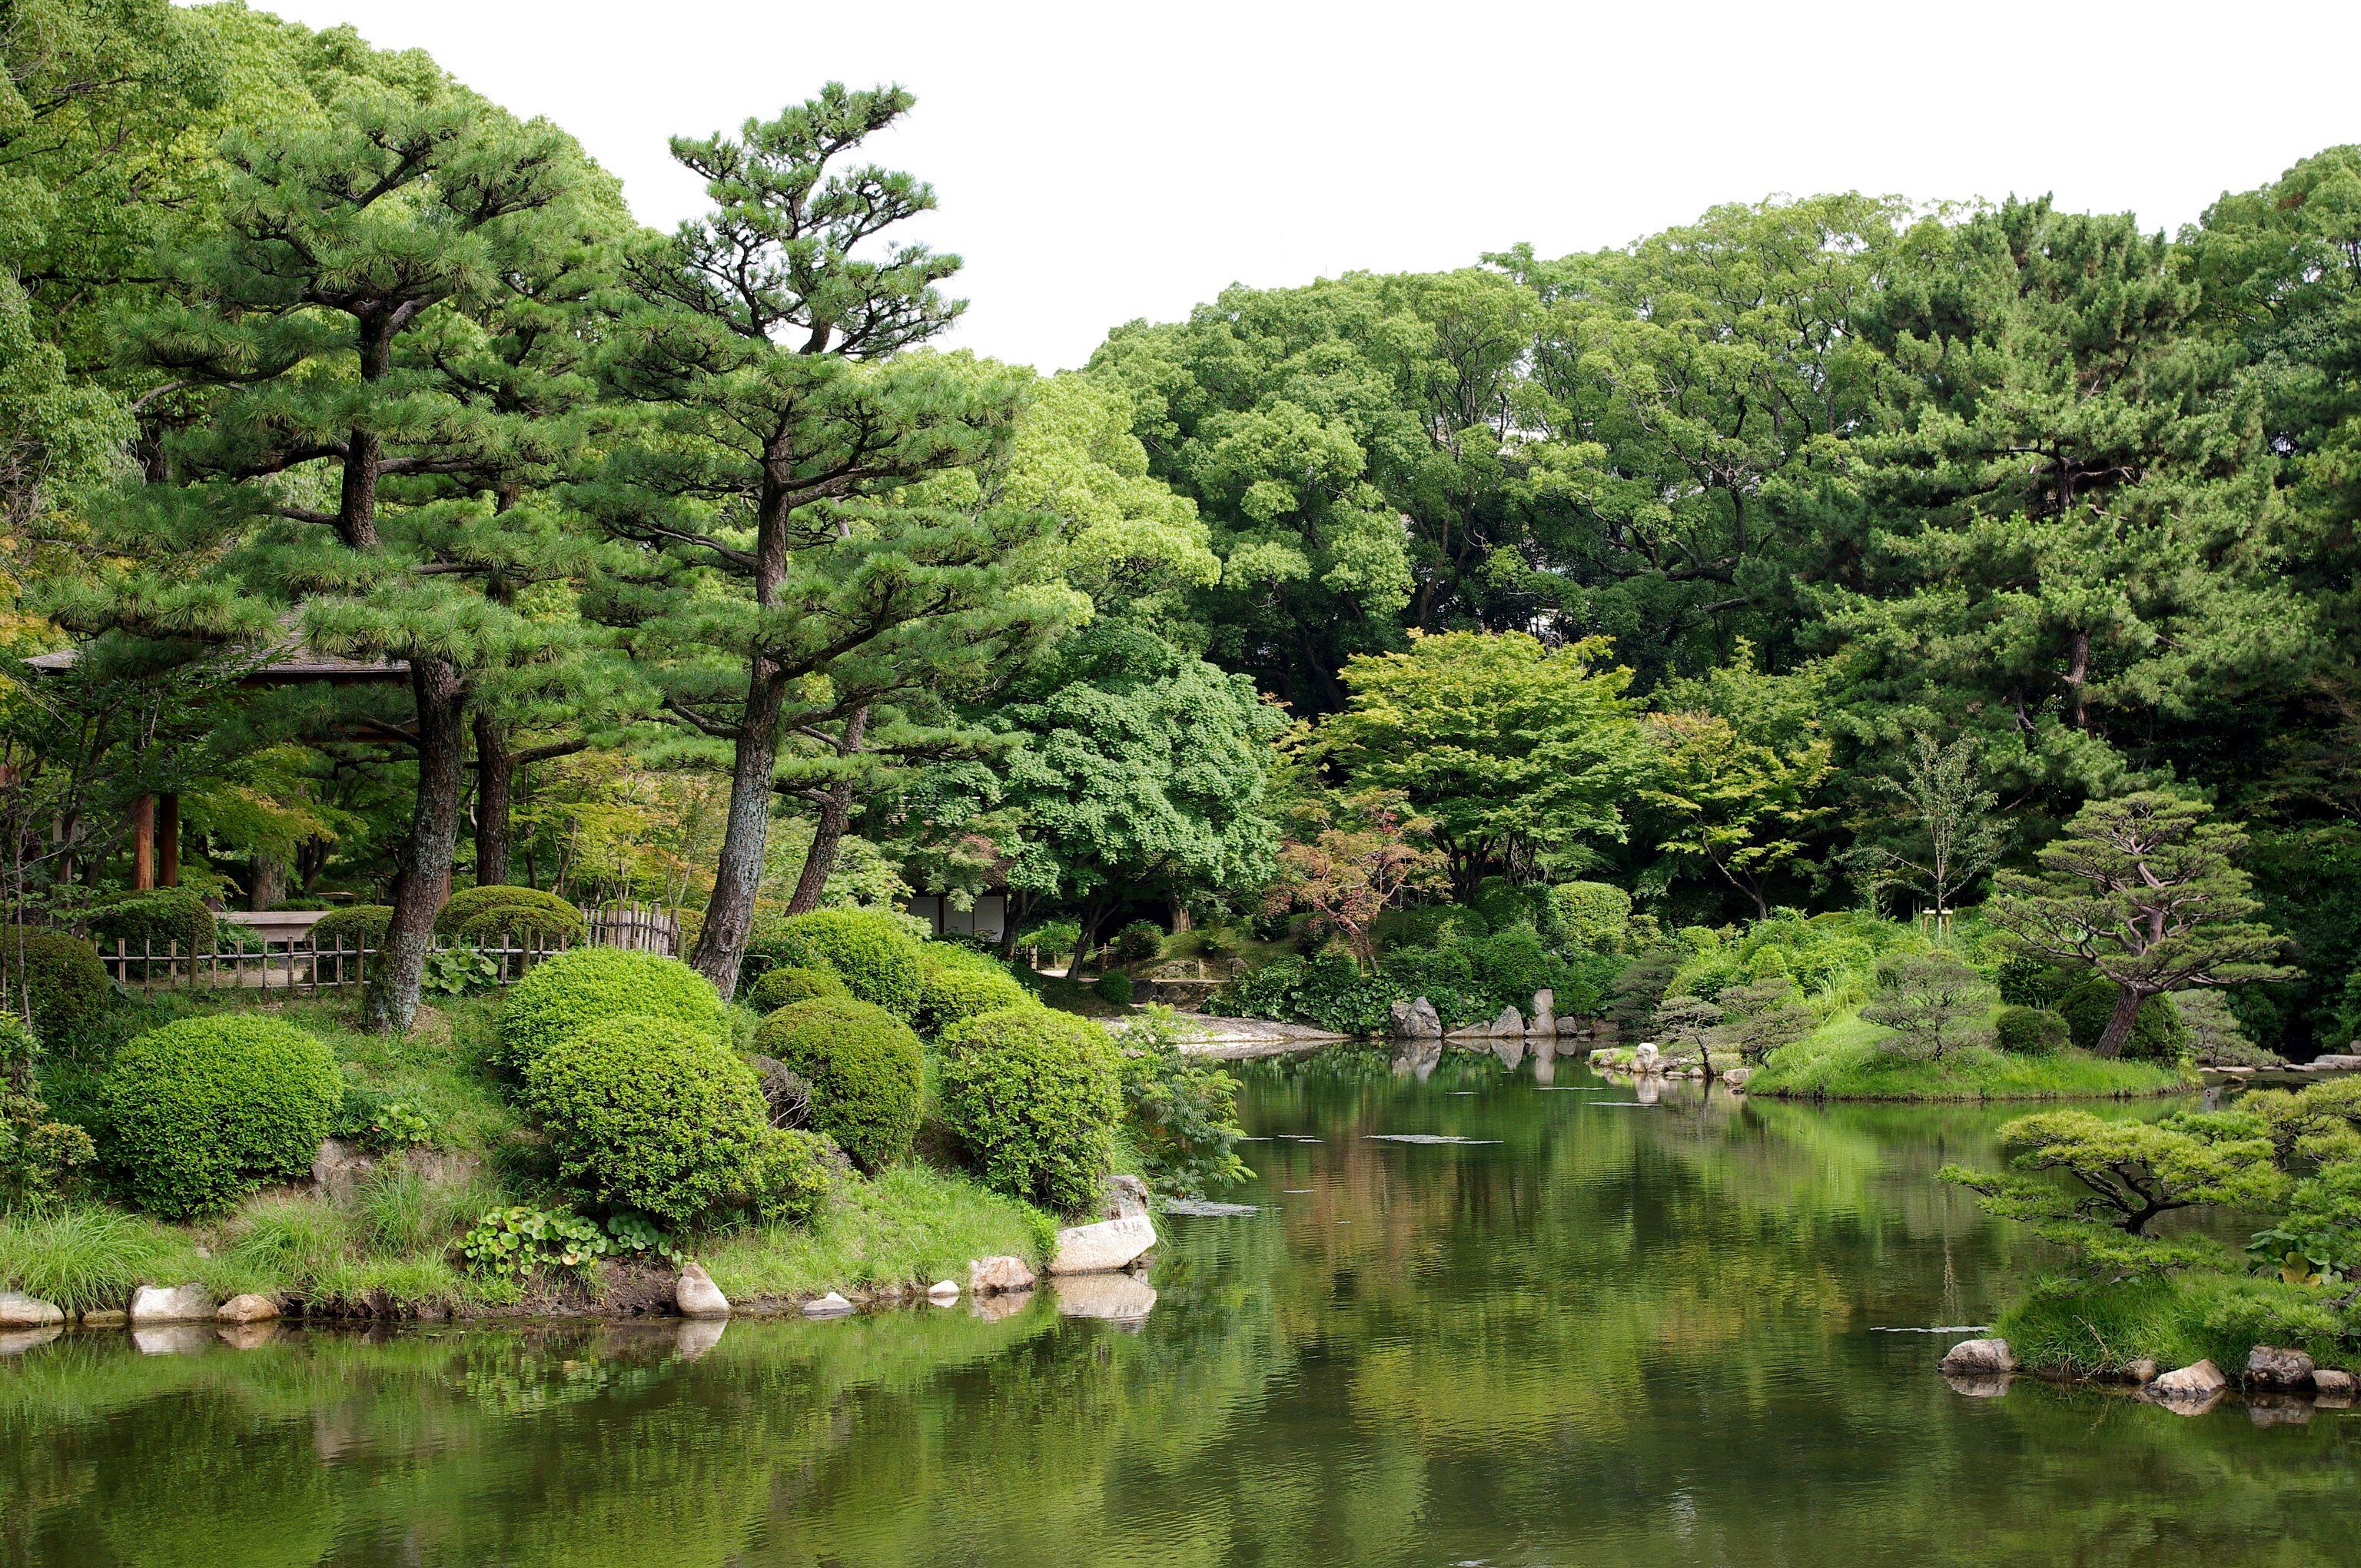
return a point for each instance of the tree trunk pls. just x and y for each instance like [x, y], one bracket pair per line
[730, 913]
[266, 882]
[495, 780]
[1179, 915]
[422, 869]
[835, 812]
[2119, 1022]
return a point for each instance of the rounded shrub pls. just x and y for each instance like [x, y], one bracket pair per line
[1595, 915]
[355, 925]
[523, 913]
[61, 975]
[653, 1113]
[869, 948]
[577, 989]
[2031, 1031]
[1115, 988]
[791, 983]
[156, 921]
[201, 1112]
[1033, 1097]
[865, 1069]
[791, 1176]
[2157, 1032]
[1136, 943]
[956, 983]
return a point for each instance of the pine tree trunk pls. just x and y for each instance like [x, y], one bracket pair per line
[2120, 1022]
[422, 869]
[730, 913]
[835, 812]
[495, 780]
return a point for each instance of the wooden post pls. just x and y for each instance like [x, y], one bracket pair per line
[143, 843]
[168, 840]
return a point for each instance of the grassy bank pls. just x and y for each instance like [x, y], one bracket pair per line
[1842, 1061]
[2078, 1329]
[909, 1226]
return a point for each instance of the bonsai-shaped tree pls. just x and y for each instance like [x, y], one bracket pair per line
[2146, 891]
[1760, 1017]
[1686, 1024]
[1933, 1003]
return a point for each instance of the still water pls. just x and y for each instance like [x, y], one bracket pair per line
[1604, 1333]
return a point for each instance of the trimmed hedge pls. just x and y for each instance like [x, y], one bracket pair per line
[355, 924]
[869, 948]
[866, 1071]
[1114, 986]
[959, 982]
[574, 990]
[2031, 1031]
[68, 984]
[201, 1112]
[156, 919]
[1136, 943]
[1034, 1098]
[651, 1114]
[479, 914]
[791, 983]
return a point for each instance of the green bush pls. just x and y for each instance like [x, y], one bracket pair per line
[1033, 1097]
[1114, 987]
[60, 973]
[791, 1177]
[1328, 992]
[524, 914]
[38, 1155]
[870, 949]
[2031, 1031]
[1136, 943]
[1512, 964]
[650, 1112]
[1180, 1112]
[356, 925]
[866, 1068]
[2157, 1032]
[577, 989]
[790, 983]
[155, 921]
[1503, 903]
[957, 983]
[1429, 925]
[1594, 915]
[201, 1112]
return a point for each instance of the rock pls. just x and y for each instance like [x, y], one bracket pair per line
[2331, 1387]
[1510, 1021]
[996, 1276]
[16, 1342]
[1111, 1298]
[2334, 1062]
[696, 1294]
[1647, 1058]
[828, 1306]
[105, 1318]
[182, 1304]
[2268, 1367]
[943, 1292]
[248, 1308]
[2200, 1384]
[1544, 1019]
[2142, 1371]
[1971, 1357]
[1206, 1209]
[1126, 1198]
[1736, 1077]
[1417, 1020]
[338, 1168]
[19, 1312]
[1103, 1247]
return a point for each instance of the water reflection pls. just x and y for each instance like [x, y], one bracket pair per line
[1614, 1333]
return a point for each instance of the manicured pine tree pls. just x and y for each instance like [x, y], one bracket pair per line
[337, 478]
[785, 597]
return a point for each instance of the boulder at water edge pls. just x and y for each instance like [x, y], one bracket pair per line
[248, 1308]
[943, 1292]
[2268, 1367]
[2191, 1388]
[181, 1304]
[1105, 1247]
[1647, 1058]
[1417, 1020]
[1979, 1356]
[2331, 1386]
[1125, 1196]
[17, 1312]
[2142, 1371]
[1544, 1021]
[696, 1294]
[998, 1276]
[828, 1306]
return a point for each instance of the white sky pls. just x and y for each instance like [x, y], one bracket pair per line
[1098, 162]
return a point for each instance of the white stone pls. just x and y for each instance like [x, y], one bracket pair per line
[248, 1308]
[828, 1306]
[1735, 1078]
[1111, 1298]
[1103, 1246]
[1510, 1021]
[994, 1275]
[696, 1294]
[18, 1311]
[943, 1292]
[1975, 1355]
[2191, 1384]
[1544, 1020]
[1646, 1058]
[180, 1304]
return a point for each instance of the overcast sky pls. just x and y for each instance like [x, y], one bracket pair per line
[1105, 161]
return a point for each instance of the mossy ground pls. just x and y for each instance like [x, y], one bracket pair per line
[2095, 1329]
[1842, 1061]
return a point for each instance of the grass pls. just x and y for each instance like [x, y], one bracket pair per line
[909, 1226]
[1842, 1061]
[87, 1257]
[2084, 1329]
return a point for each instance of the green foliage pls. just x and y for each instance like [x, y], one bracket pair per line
[1113, 987]
[1052, 939]
[380, 1121]
[38, 1155]
[459, 972]
[1763, 1016]
[1640, 985]
[959, 983]
[2030, 1031]
[2216, 1037]
[2074, 1326]
[1593, 914]
[574, 990]
[201, 1112]
[2157, 1033]
[869, 949]
[520, 1243]
[1180, 1113]
[1512, 964]
[651, 1114]
[1932, 1003]
[1034, 1098]
[87, 1257]
[354, 925]
[790, 983]
[1328, 991]
[865, 1069]
[156, 921]
[518, 916]
[1136, 943]
[60, 973]
[792, 1176]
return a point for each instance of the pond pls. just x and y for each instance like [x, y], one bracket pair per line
[1600, 1331]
